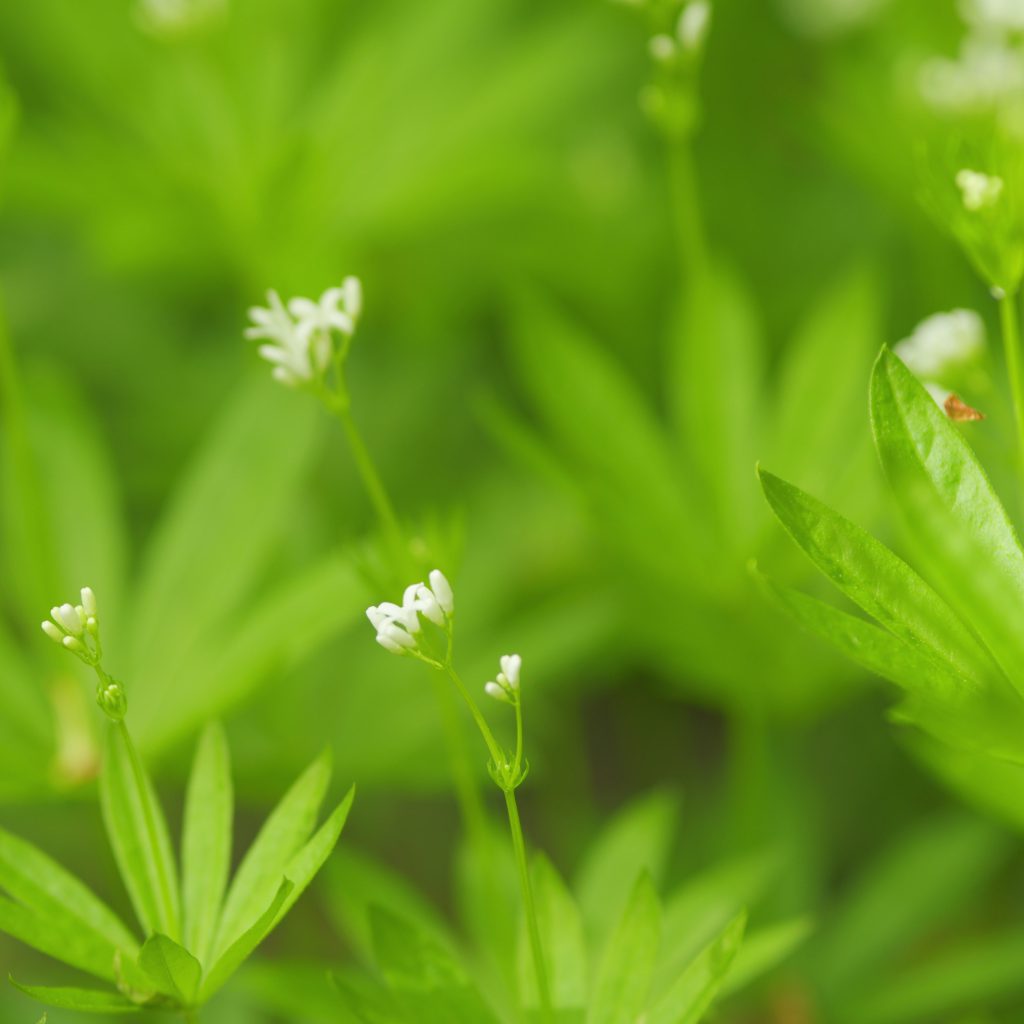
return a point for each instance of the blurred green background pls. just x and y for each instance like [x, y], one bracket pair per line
[485, 168]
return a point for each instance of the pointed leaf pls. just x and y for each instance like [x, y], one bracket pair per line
[689, 998]
[762, 951]
[237, 953]
[874, 578]
[562, 941]
[86, 999]
[627, 968]
[174, 971]
[260, 873]
[953, 515]
[206, 840]
[40, 883]
[138, 834]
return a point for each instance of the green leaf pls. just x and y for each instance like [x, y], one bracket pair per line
[260, 873]
[938, 700]
[818, 404]
[138, 834]
[954, 518]
[639, 837]
[85, 999]
[174, 971]
[984, 971]
[70, 918]
[627, 967]
[715, 373]
[918, 884]
[428, 983]
[689, 998]
[215, 540]
[699, 910]
[631, 471]
[762, 951]
[876, 579]
[206, 840]
[237, 953]
[562, 941]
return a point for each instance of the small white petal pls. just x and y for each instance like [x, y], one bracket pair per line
[496, 691]
[352, 291]
[52, 632]
[427, 605]
[694, 22]
[510, 667]
[388, 644]
[442, 591]
[396, 634]
[68, 618]
[377, 617]
[73, 643]
[89, 602]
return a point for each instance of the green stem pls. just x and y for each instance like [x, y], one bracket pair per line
[1011, 342]
[519, 736]
[685, 201]
[373, 484]
[530, 908]
[518, 842]
[165, 889]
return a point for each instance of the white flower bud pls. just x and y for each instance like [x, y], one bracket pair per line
[942, 342]
[442, 591]
[510, 667]
[352, 296]
[427, 605]
[389, 645]
[73, 644]
[496, 691]
[376, 616]
[52, 632]
[68, 618]
[397, 635]
[89, 602]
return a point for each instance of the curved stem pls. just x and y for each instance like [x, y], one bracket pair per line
[1008, 316]
[481, 723]
[529, 906]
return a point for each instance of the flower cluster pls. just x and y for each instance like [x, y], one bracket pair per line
[943, 343]
[76, 627]
[506, 687]
[979, 191]
[399, 627]
[299, 339]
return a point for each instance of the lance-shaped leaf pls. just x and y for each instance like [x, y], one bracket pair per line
[88, 1000]
[960, 712]
[627, 967]
[954, 518]
[137, 830]
[54, 908]
[282, 835]
[688, 999]
[876, 579]
[172, 970]
[206, 840]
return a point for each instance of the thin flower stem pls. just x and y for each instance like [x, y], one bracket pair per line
[373, 484]
[518, 842]
[530, 908]
[1011, 342]
[519, 736]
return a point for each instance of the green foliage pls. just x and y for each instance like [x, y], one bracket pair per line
[50, 910]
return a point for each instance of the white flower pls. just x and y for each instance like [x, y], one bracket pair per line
[693, 26]
[300, 339]
[942, 342]
[71, 625]
[399, 626]
[510, 666]
[507, 683]
[442, 591]
[979, 190]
